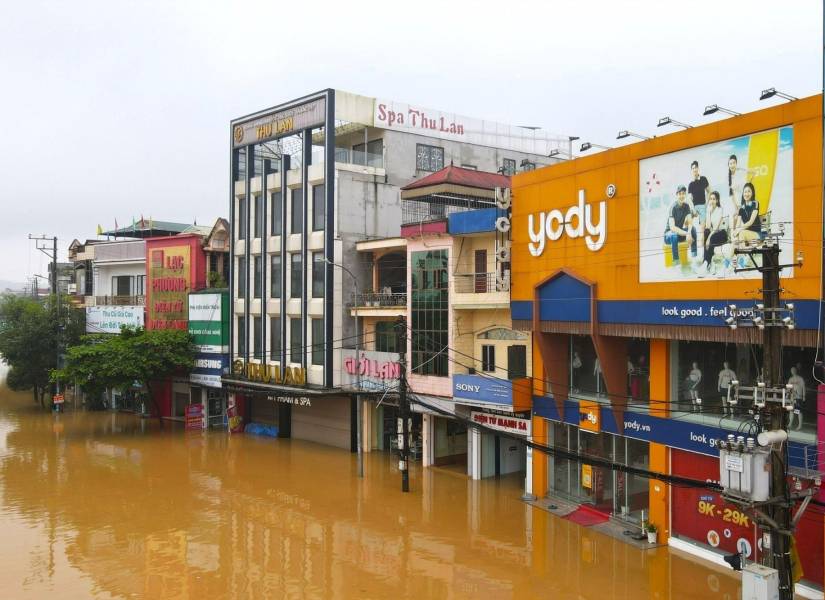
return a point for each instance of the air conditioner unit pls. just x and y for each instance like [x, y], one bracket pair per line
[502, 283]
[503, 198]
[503, 224]
[503, 255]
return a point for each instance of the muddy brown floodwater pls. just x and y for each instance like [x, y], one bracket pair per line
[103, 505]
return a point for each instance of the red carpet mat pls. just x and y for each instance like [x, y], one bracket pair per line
[586, 516]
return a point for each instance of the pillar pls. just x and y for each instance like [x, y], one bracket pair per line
[537, 461]
[474, 453]
[427, 434]
[367, 417]
[659, 493]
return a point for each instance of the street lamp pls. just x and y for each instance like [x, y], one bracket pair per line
[588, 145]
[771, 92]
[713, 108]
[668, 121]
[358, 417]
[625, 134]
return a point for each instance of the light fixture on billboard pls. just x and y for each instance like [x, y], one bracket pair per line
[771, 92]
[560, 154]
[625, 134]
[714, 108]
[668, 121]
[588, 145]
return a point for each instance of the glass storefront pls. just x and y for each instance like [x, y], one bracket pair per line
[702, 372]
[587, 381]
[621, 494]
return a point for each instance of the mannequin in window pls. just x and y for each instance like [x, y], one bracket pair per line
[576, 363]
[597, 372]
[726, 376]
[798, 395]
[694, 378]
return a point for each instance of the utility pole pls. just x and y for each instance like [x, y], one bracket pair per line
[54, 292]
[772, 401]
[404, 409]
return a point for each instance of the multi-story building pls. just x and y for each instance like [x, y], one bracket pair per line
[310, 179]
[626, 272]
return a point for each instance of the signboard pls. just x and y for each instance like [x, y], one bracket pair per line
[58, 399]
[109, 319]
[589, 416]
[721, 187]
[507, 424]
[477, 389]
[234, 420]
[282, 122]
[410, 118]
[587, 476]
[208, 368]
[293, 400]
[209, 322]
[169, 282]
[193, 416]
[269, 373]
[378, 371]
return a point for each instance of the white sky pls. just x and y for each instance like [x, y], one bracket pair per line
[113, 109]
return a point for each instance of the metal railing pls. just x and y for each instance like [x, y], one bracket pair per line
[435, 209]
[116, 300]
[359, 157]
[474, 283]
[379, 300]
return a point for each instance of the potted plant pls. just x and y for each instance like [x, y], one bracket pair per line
[650, 528]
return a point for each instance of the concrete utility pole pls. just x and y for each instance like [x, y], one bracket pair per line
[404, 409]
[55, 292]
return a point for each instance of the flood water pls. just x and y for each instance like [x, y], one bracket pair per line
[102, 505]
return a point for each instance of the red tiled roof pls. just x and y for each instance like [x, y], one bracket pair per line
[460, 176]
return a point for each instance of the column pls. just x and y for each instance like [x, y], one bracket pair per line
[474, 453]
[426, 440]
[659, 494]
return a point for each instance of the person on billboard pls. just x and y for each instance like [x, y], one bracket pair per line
[679, 225]
[737, 178]
[698, 195]
[716, 231]
[749, 226]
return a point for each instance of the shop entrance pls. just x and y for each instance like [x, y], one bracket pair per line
[611, 492]
[385, 433]
[449, 443]
[501, 455]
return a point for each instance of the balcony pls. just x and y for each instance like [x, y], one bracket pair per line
[480, 291]
[378, 304]
[438, 209]
[116, 300]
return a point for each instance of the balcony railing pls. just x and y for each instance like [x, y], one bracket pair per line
[359, 157]
[435, 209]
[117, 300]
[474, 283]
[379, 300]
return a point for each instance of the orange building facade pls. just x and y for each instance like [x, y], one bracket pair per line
[625, 267]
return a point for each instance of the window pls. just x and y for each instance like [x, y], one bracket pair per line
[275, 338]
[471, 167]
[121, 285]
[275, 276]
[429, 158]
[277, 212]
[509, 166]
[240, 224]
[516, 362]
[429, 302]
[318, 274]
[374, 156]
[499, 333]
[386, 336]
[318, 341]
[258, 274]
[296, 342]
[318, 212]
[259, 215]
[241, 277]
[241, 332]
[297, 210]
[488, 358]
[141, 285]
[295, 273]
[256, 338]
[586, 378]
[239, 164]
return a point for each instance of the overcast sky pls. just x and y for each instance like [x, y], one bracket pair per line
[113, 109]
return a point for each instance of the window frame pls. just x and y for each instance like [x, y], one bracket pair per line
[318, 274]
[275, 283]
[296, 212]
[427, 165]
[488, 358]
[296, 270]
[292, 345]
[318, 200]
[317, 347]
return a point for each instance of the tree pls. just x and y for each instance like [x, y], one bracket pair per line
[30, 331]
[135, 356]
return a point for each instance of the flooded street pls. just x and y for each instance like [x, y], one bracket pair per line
[106, 505]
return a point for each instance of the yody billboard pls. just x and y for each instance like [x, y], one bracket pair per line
[697, 205]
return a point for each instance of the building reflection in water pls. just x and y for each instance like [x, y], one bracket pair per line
[106, 505]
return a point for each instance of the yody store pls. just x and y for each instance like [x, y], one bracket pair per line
[628, 268]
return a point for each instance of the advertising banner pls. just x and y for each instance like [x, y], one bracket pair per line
[209, 322]
[477, 389]
[378, 371]
[208, 369]
[695, 205]
[193, 417]
[109, 319]
[507, 424]
[169, 282]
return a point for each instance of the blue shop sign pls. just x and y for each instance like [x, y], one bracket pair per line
[208, 368]
[477, 389]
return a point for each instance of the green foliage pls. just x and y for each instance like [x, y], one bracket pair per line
[216, 280]
[136, 355]
[30, 330]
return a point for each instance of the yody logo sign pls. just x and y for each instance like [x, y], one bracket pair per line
[577, 221]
